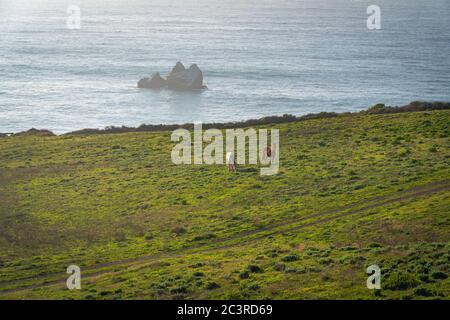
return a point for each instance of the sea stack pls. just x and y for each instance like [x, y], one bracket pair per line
[155, 82]
[179, 79]
[183, 79]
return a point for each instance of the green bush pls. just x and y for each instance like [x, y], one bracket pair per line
[378, 108]
[212, 286]
[198, 274]
[279, 267]
[424, 278]
[179, 231]
[439, 275]
[424, 292]
[180, 289]
[254, 287]
[254, 268]
[326, 261]
[400, 281]
[290, 258]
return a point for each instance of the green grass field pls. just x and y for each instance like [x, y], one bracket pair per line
[352, 191]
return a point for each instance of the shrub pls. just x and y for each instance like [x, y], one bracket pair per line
[254, 269]
[254, 287]
[198, 274]
[423, 292]
[296, 270]
[36, 132]
[400, 281]
[290, 258]
[378, 108]
[279, 267]
[424, 278]
[179, 231]
[434, 148]
[439, 275]
[197, 265]
[180, 289]
[326, 261]
[348, 248]
[413, 106]
[212, 286]
[148, 236]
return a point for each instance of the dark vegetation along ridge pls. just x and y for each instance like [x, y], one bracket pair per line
[376, 109]
[352, 191]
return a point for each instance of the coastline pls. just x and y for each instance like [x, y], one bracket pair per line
[414, 106]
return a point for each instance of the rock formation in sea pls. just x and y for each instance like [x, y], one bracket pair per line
[180, 79]
[155, 82]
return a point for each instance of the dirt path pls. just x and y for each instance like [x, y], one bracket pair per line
[290, 226]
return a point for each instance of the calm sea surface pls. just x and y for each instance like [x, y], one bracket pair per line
[259, 58]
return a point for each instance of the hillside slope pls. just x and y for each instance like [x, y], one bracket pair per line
[352, 191]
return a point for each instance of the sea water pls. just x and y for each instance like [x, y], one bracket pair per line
[259, 58]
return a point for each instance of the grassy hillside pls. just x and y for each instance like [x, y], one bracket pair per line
[352, 191]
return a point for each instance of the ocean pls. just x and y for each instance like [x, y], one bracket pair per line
[259, 58]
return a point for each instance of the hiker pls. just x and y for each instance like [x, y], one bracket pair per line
[230, 161]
